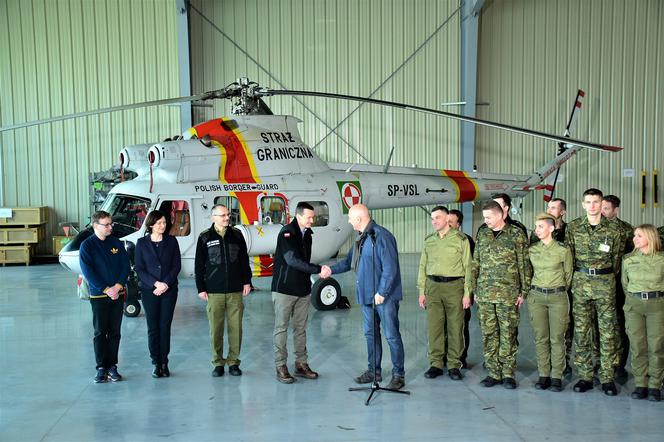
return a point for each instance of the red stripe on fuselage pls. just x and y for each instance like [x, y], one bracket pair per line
[467, 188]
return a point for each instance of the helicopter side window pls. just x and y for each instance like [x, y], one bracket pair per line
[273, 210]
[178, 222]
[233, 206]
[128, 212]
[321, 213]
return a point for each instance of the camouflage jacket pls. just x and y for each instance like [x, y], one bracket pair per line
[500, 270]
[598, 248]
[660, 230]
[628, 234]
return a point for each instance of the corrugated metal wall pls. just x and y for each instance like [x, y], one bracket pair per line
[67, 56]
[533, 57]
[397, 50]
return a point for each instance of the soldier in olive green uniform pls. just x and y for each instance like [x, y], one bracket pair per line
[443, 265]
[597, 246]
[499, 278]
[610, 210]
[643, 281]
[548, 305]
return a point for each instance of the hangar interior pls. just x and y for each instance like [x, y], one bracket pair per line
[517, 62]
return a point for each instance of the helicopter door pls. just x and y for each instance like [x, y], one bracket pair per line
[329, 233]
[179, 222]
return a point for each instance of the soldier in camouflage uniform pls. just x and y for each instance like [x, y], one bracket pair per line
[499, 278]
[597, 246]
[643, 281]
[610, 210]
[443, 265]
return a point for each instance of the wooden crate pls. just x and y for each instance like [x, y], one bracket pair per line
[15, 254]
[21, 235]
[25, 216]
[59, 242]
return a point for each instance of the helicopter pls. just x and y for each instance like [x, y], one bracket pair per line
[257, 165]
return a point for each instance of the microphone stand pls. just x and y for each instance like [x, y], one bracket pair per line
[375, 386]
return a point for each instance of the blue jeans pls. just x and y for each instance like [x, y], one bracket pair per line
[387, 313]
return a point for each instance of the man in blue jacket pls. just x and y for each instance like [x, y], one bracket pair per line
[376, 263]
[105, 266]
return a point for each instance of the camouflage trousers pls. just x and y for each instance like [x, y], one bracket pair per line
[499, 324]
[644, 321]
[445, 312]
[594, 295]
[549, 316]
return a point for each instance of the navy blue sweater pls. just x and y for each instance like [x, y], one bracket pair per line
[103, 263]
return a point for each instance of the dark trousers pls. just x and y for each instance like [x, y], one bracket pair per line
[107, 321]
[159, 316]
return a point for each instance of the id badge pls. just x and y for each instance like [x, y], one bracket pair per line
[604, 248]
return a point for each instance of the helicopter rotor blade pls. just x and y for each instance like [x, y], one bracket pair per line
[507, 127]
[204, 96]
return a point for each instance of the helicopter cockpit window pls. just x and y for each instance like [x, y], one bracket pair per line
[321, 213]
[128, 212]
[234, 207]
[178, 222]
[273, 210]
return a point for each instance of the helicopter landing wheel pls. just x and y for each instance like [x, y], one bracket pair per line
[325, 294]
[132, 308]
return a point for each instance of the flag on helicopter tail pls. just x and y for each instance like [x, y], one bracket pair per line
[550, 182]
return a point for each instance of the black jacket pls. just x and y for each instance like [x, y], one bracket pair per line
[151, 266]
[291, 261]
[222, 264]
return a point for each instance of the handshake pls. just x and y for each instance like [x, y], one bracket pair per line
[325, 272]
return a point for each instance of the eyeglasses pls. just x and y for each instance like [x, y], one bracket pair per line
[106, 225]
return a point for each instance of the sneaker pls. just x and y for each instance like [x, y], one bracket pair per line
[640, 393]
[165, 371]
[583, 386]
[509, 383]
[101, 375]
[234, 370]
[654, 394]
[556, 385]
[113, 374]
[368, 377]
[433, 372]
[157, 371]
[218, 371]
[284, 376]
[543, 383]
[455, 374]
[396, 383]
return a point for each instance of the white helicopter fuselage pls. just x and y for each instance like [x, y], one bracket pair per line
[260, 168]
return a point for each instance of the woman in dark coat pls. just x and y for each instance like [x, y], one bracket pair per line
[157, 264]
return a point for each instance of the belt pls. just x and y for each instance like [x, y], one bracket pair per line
[436, 278]
[593, 272]
[546, 291]
[647, 295]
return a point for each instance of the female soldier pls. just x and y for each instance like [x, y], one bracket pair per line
[548, 305]
[643, 282]
[157, 266]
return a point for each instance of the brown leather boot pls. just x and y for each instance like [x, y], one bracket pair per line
[303, 370]
[284, 376]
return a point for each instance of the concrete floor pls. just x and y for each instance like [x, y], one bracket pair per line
[47, 393]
